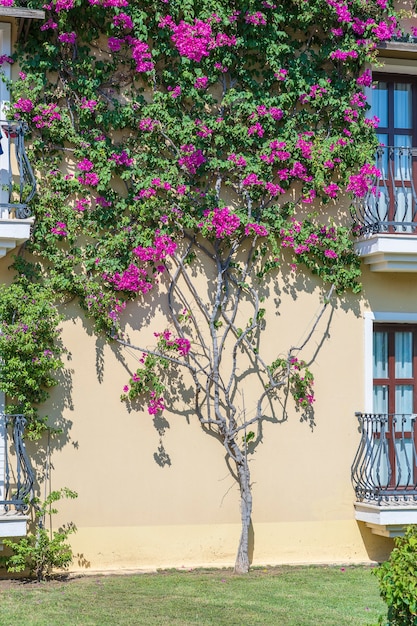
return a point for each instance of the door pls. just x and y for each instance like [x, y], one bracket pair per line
[395, 400]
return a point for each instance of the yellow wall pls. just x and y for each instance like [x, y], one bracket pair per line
[149, 499]
[134, 511]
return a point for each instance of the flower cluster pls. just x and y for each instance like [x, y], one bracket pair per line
[192, 158]
[195, 41]
[220, 222]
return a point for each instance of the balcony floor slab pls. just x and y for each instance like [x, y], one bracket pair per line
[13, 232]
[387, 519]
[388, 252]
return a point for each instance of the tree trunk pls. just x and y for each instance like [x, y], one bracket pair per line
[242, 557]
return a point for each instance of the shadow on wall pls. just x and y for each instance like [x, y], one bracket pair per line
[378, 548]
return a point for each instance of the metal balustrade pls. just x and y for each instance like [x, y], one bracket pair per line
[390, 206]
[384, 469]
[16, 474]
[17, 180]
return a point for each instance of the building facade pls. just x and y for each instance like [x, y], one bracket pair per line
[337, 488]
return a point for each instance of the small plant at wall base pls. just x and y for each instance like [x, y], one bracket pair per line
[42, 552]
[186, 139]
[398, 580]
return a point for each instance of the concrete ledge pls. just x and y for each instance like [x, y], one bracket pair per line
[389, 253]
[13, 233]
[13, 524]
[386, 520]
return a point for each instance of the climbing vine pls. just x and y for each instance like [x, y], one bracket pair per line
[173, 133]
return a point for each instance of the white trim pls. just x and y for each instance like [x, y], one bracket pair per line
[392, 65]
[370, 317]
[5, 48]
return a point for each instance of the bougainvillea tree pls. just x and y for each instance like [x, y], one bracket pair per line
[195, 144]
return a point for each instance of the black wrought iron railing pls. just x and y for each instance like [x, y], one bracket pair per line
[16, 474]
[17, 180]
[390, 206]
[384, 469]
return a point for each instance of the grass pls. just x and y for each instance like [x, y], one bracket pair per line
[287, 596]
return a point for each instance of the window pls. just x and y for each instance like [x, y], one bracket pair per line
[395, 400]
[394, 103]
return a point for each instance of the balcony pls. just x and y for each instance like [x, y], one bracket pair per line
[20, 10]
[16, 476]
[384, 473]
[386, 217]
[17, 187]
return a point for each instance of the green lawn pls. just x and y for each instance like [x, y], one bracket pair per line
[287, 596]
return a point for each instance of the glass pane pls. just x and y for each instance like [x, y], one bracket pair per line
[404, 355]
[380, 399]
[404, 462]
[380, 354]
[402, 157]
[404, 209]
[379, 100]
[403, 407]
[382, 155]
[381, 466]
[402, 105]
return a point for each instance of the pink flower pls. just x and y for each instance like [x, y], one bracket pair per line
[362, 183]
[331, 190]
[238, 160]
[256, 19]
[192, 158]
[155, 404]
[142, 56]
[330, 254]
[88, 104]
[68, 37]
[24, 104]
[50, 24]
[85, 165]
[175, 91]
[201, 82]
[123, 20]
[258, 229]
[115, 43]
[365, 79]
[256, 129]
[195, 41]
[89, 178]
[147, 124]
[60, 229]
[251, 179]
[281, 74]
[122, 159]
[82, 204]
[222, 221]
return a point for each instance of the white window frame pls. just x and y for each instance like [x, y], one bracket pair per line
[371, 318]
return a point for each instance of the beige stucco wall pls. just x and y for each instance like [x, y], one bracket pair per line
[134, 511]
[149, 499]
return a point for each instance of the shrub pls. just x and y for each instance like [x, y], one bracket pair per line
[42, 551]
[398, 580]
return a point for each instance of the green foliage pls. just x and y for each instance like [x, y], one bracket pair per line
[100, 101]
[30, 348]
[42, 552]
[398, 580]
